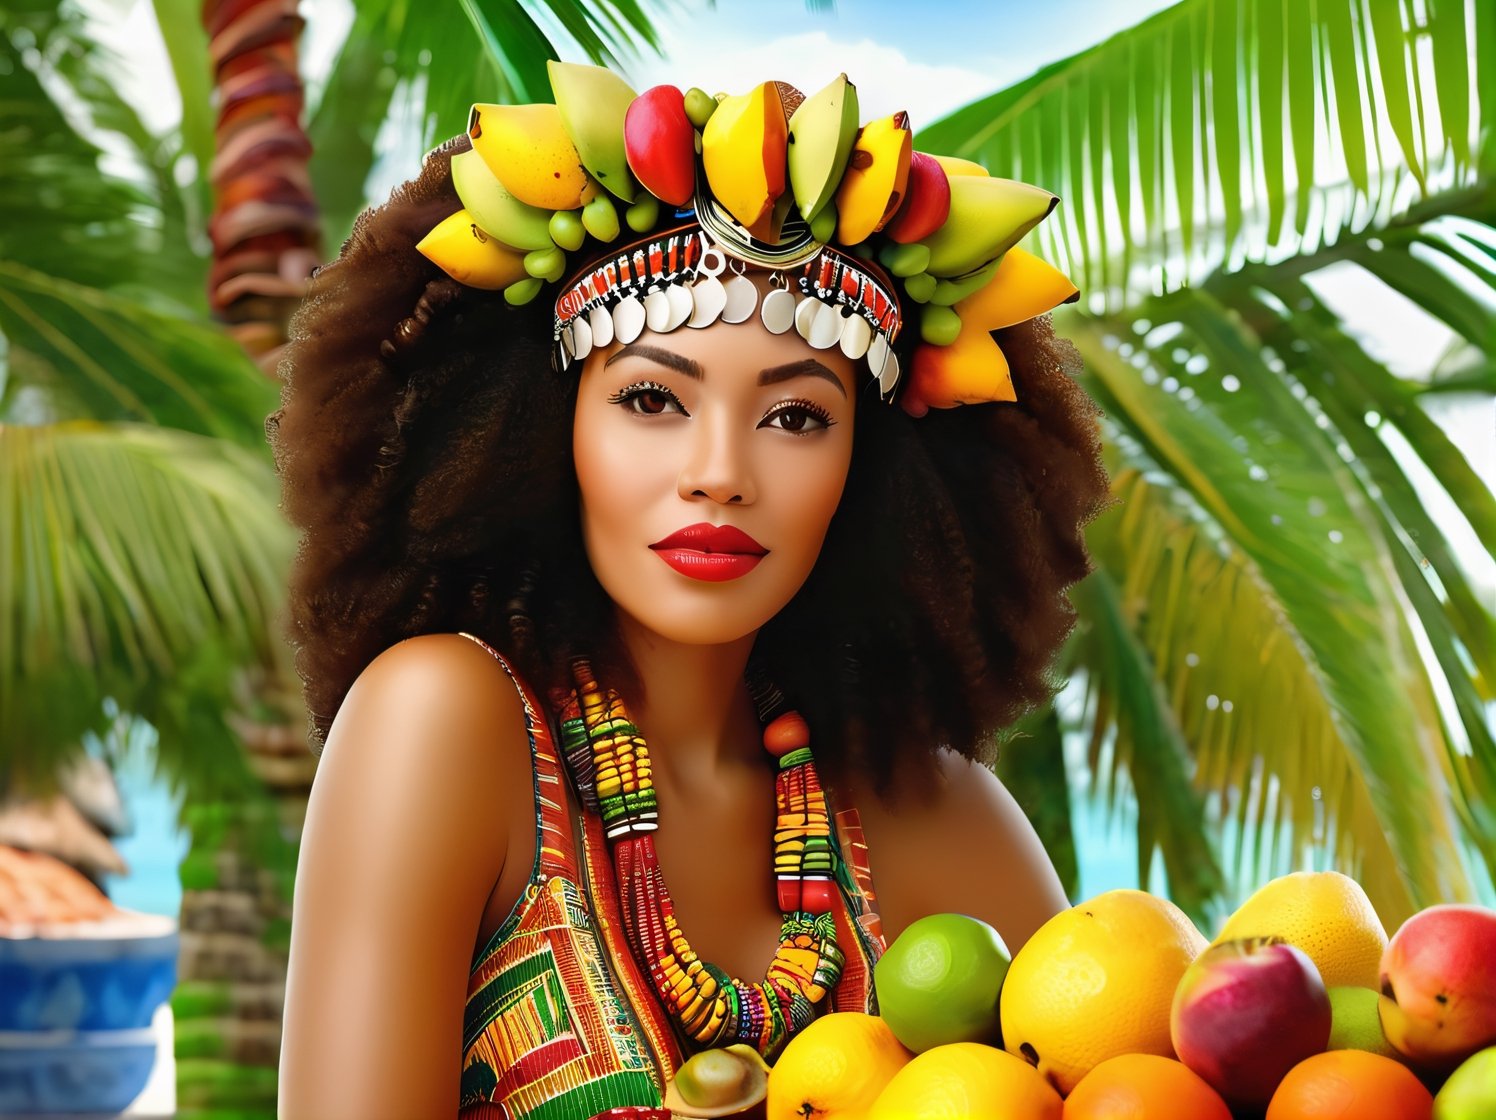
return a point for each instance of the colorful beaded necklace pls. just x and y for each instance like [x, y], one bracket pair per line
[609, 764]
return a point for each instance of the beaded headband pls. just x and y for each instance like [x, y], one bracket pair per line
[768, 179]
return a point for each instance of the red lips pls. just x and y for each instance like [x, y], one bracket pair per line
[714, 553]
[703, 537]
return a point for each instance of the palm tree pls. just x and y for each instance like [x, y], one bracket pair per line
[1283, 654]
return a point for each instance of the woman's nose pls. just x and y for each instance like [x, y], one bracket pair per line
[717, 464]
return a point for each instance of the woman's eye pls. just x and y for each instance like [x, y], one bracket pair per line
[799, 419]
[650, 399]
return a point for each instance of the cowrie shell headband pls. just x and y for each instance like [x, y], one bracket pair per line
[683, 278]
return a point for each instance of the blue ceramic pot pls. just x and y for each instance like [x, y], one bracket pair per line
[73, 1071]
[104, 976]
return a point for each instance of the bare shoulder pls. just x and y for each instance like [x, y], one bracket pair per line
[405, 836]
[967, 849]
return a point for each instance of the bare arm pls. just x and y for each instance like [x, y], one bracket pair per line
[971, 851]
[405, 836]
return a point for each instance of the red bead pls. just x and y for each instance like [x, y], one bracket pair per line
[816, 895]
[789, 895]
[787, 733]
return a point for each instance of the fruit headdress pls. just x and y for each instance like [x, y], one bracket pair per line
[854, 224]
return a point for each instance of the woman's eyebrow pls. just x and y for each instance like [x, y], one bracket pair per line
[660, 356]
[802, 368]
[682, 364]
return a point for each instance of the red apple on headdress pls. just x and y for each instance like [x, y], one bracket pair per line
[1438, 980]
[660, 143]
[927, 201]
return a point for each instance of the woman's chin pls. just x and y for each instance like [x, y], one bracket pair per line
[710, 615]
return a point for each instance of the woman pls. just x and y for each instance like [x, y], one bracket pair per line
[558, 629]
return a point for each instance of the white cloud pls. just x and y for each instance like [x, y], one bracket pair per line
[886, 79]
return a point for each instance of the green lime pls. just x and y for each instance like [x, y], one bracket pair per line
[939, 982]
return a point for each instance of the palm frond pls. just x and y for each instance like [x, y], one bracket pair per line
[117, 359]
[138, 564]
[1341, 702]
[1190, 140]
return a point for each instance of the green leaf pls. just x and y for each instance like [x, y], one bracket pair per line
[1343, 50]
[140, 564]
[1430, 288]
[1392, 63]
[1451, 73]
[1485, 85]
[1299, 40]
[1270, 55]
[1226, 31]
[1120, 119]
[127, 361]
[1182, 157]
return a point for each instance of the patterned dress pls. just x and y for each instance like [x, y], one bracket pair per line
[560, 1022]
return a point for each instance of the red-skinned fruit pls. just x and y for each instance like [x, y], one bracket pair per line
[660, 143]
[1438, 984]
[1247, 1012]
[927, 201]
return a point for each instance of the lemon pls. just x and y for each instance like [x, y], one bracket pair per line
[939, 982]
[834, 1068]
[1324, 913]
[967, 1081]
[1097, 981]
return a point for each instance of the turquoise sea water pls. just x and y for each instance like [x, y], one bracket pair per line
[156, 848]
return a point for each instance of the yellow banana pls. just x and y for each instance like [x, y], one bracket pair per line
[498, 212]
[743, 149]
[460, 248]
[988, 216]
[1023, 286]
[528, 150]
[954, 165]
[821, 134]
[877, 175]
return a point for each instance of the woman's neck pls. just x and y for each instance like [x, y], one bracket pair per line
[694, 712]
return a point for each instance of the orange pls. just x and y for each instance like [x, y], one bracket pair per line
[1144, 1087]
[1350, 1083]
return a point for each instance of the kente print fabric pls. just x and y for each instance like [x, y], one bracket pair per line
[560, 1024]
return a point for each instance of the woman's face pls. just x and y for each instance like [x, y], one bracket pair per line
[710, 463]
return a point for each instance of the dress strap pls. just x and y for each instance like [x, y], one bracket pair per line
[555, 846]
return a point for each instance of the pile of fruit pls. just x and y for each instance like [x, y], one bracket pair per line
[1119, 1009]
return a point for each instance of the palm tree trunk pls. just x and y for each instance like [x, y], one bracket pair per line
[264, 229]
